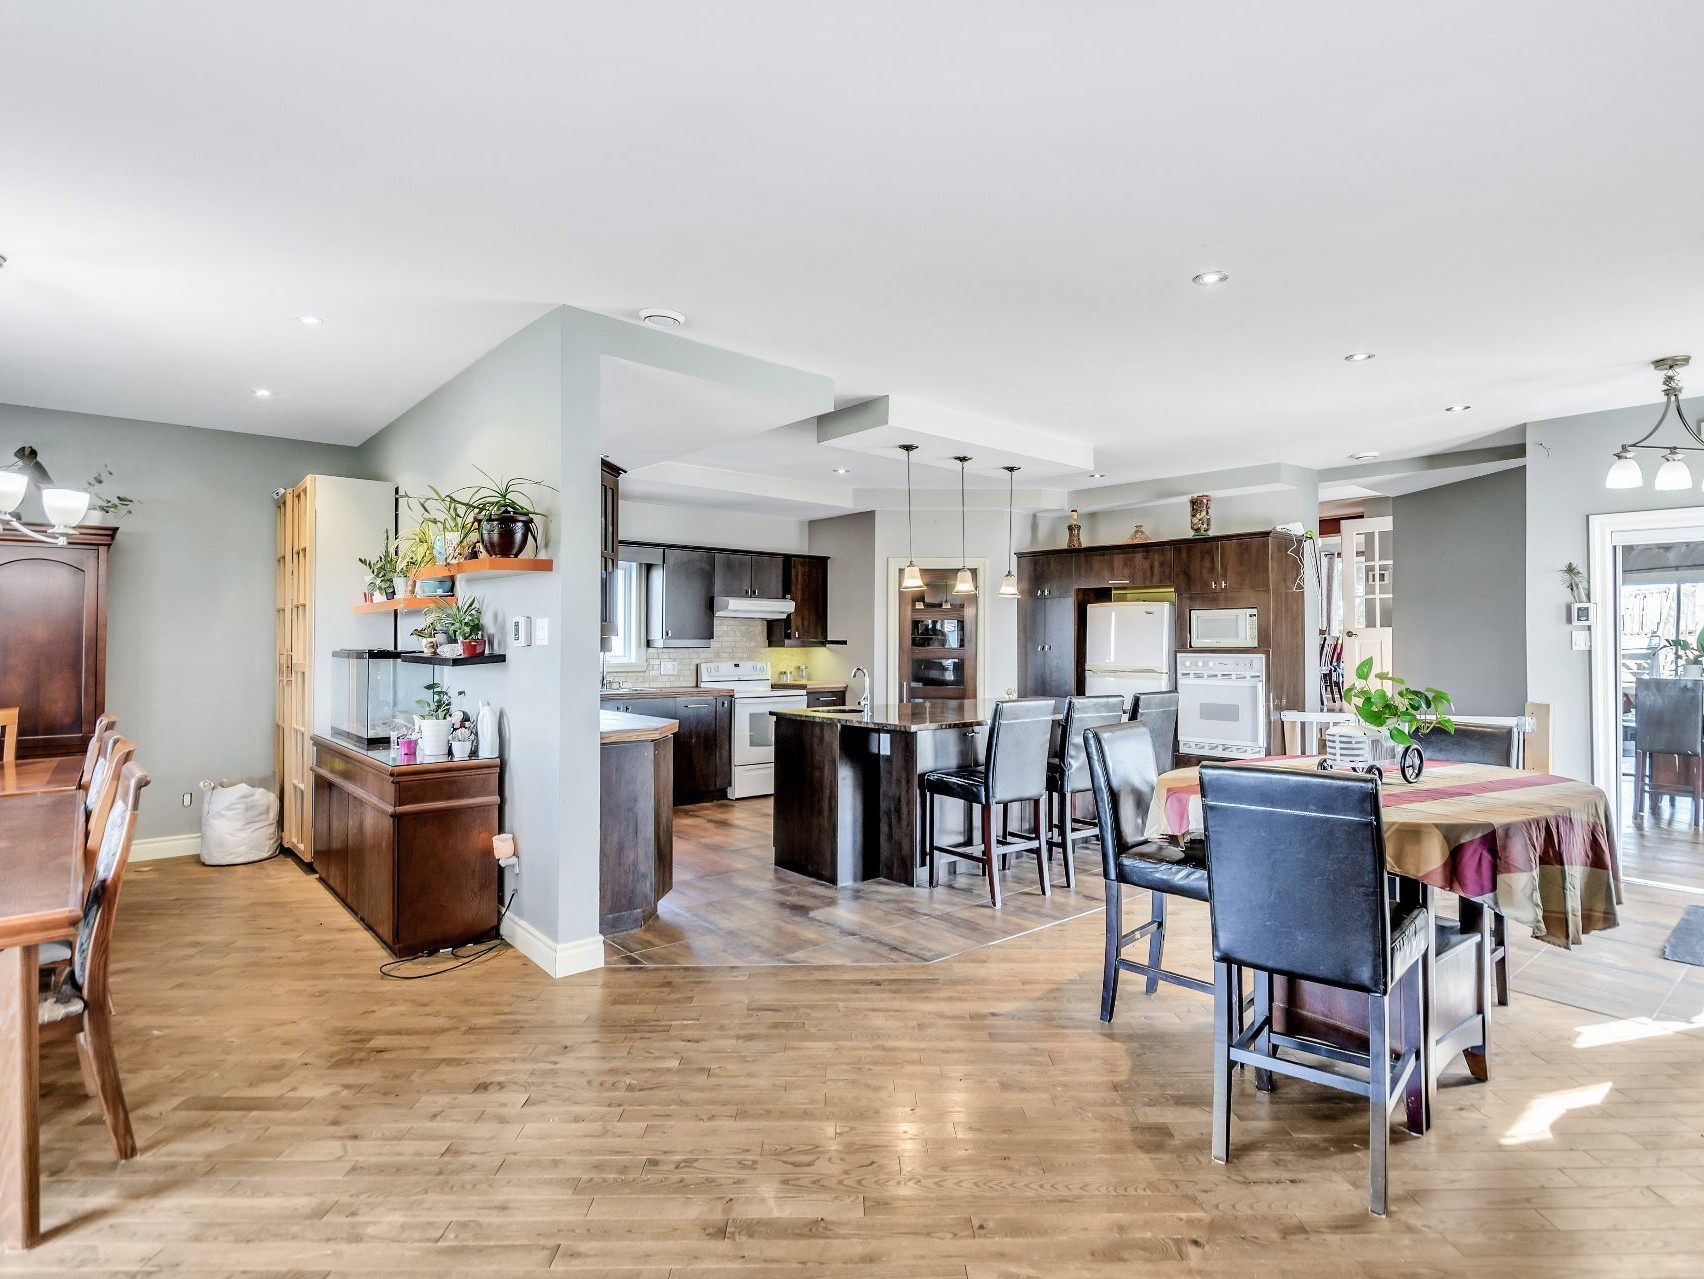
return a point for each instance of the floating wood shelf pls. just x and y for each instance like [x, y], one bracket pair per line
[408, 603]
[422, 660]
[491, 566]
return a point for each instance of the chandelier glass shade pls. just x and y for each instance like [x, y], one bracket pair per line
[1674, 474]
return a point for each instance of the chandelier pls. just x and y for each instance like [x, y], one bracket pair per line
[64, 507]
[1624, 472]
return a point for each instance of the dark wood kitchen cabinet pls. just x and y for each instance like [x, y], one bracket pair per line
[408, 847]
[807, 585]
[750, 574]
[679, 612]
[609, 550]
[53, 623]
[1216, 564]
[704, 746]
[1046, 627]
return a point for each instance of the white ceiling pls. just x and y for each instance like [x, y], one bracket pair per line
[993, 207]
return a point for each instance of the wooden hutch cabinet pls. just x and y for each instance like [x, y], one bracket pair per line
[54, 667]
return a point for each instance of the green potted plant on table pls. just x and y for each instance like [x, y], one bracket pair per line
[433, 721]
[1688, 655]
[1392, 716]
[503, 513]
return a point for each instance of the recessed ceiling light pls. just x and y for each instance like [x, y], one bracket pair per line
[1458, 408]
[1355, 357]
[261, 393]
[658, 318]
[1212, 277]
[1362, 457]
[309, 320]
[840, 470]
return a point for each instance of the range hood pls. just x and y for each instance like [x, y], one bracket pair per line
[750, 606]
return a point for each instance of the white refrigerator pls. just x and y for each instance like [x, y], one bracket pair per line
[1128, 649]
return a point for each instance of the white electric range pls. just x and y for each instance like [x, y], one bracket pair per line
[754, 722]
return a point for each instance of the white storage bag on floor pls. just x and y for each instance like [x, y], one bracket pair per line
[239, 824]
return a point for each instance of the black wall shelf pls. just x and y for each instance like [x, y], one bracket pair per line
[420, 659]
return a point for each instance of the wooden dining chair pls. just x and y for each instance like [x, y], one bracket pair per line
[104, 727]
[79, 1002]
[9, 731]
[119, 751]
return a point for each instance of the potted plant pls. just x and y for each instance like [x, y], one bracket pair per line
[382, 570]
[433, 721]
[506, 519]
[461, 742]
[1393, 716]
[1688, 655]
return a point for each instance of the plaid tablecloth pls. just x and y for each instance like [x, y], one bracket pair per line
[1537, 848]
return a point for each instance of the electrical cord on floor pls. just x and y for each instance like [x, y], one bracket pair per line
[389, 969]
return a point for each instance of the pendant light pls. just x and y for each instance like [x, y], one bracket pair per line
[912, 578]
[1673, 474]
[1009, 583]
[965, 584]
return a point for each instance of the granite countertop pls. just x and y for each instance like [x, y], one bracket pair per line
[911, 717]
[807, 686]
[620, 726]
[634, 694]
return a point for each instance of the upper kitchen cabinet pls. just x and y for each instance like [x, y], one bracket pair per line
[750, 575]
[678, 610]
[1223, 564]
[807, 586]
[609, 549]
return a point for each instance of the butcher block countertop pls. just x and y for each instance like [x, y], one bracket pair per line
[619, 726]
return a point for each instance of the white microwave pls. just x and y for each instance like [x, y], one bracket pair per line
[1224, 628]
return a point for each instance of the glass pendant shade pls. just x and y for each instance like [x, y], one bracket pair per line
[965, 583]
[1624, 472]
[1009, 586]
[1672, 474]
[66, 507]
[911, 579]
[12, 486]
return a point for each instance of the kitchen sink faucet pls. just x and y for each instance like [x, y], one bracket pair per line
[864, 701]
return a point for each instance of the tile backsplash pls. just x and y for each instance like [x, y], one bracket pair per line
[736, 639]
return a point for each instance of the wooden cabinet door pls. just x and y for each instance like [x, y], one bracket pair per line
[807, 627]
[680, 615]
[733, 574]
[1144, 565]
[52, 643]
[1245, 563]
[297, 781]
[697, 754]
[826, 697]
[1195, 565]
[769, 577]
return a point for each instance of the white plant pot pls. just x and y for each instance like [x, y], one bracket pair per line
[460, 750]
[1692, 670]
[435, 737]
[399, 587]
[1354, 746]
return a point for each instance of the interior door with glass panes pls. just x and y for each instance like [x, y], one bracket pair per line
[1369, 597]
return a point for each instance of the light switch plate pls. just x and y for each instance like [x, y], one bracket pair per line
[1582, 639]
[541, 631]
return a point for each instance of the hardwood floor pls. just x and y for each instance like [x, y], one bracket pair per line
[1661, 844]
[969, 1119]
[730, 905]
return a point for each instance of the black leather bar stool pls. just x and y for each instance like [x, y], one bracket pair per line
[1122, 772]
[1068, 776]
[1296, 867]
[1668, 719]
[1159, 712]
[1481, 744]
[1015, 772]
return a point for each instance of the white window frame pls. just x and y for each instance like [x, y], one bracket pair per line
[630, 609]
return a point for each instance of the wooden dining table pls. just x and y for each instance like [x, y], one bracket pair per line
[41, 900]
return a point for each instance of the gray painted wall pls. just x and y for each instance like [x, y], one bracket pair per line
[1460, 573]
[1566, 462]
[190, 600]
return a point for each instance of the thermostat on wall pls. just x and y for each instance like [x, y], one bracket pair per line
[520, 632]
[1580, 614]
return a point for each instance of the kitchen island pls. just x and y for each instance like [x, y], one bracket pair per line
[636, 818]
[847, 803]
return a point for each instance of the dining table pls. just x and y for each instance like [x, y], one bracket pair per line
[1536, 848]
[41, 900]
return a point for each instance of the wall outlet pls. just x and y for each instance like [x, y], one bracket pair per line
[668, 668]
[189, 799]
[1582, 639]
[541, 631]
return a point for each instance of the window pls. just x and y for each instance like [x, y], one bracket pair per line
[627, 647]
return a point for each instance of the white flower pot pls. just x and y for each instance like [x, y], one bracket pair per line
[435, 737]
[460, 750]
[399, 587]
[1692, 670]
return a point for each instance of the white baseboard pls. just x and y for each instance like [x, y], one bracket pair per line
[559, 959]
[150, 850]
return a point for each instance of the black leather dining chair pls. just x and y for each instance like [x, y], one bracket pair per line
[1159, 712]
[1122, 772]
[1480, 744]
[1297, 888]
[1015, 772]
[1068, 776]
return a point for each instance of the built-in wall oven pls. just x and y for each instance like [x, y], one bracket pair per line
[1221, 705]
